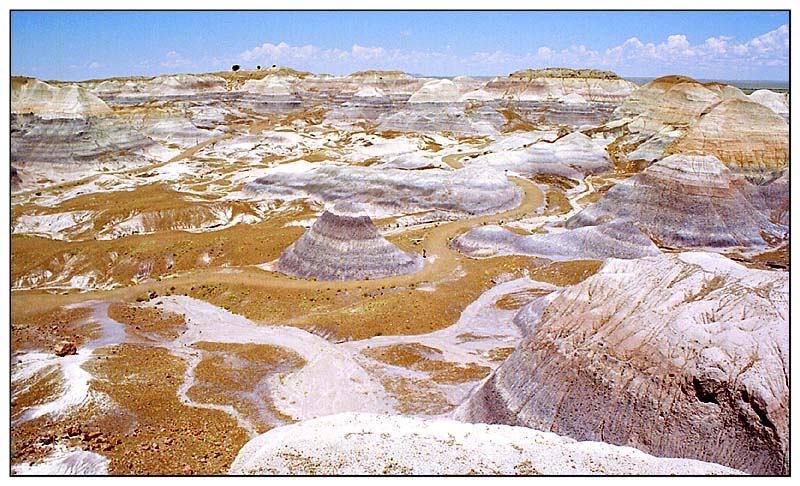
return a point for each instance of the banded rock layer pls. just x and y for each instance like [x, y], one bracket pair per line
[678, 355]
[343, 246]
[687, 202]
[554, 83]
[29, 95]
[370, 444]
[747, 137]
[71, 143]
[610, 240]
[391, 192]
[573, 156]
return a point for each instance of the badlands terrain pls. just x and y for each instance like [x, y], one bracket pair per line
[277, 272]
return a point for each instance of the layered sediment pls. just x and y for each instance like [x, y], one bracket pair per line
[574, 156]
[388, 192]
[747, 137]
[687, 202]
[343, 244]
[678, 355]
[610, 240]
[555, 83]
[30, 95]
[370, 444]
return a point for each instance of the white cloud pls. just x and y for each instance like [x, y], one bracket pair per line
[676, 53]
[496, 57]
[677, 42]
[95, 65]
[361, 52]
[282, 51]
[174, 59]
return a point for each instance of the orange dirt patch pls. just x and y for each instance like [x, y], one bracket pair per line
[500, 354]
[516, 300]
[230, 374]
[32, 330]
[147, 322]
[157, 433]
[566, 273]
[419, 357]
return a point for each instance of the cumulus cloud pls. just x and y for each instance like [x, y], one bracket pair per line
[361, 52]
[676, 53]
[174, 59]
[282, 51]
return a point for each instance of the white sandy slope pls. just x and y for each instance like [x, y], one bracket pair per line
[777, 102]
[330, 382]
[491, 328]
[65, 461]
[35, 96]
[437, 91]
[380, 444]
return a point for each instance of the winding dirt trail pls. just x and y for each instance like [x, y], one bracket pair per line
[440, 263]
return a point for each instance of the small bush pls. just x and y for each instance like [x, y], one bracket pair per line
[235, 67]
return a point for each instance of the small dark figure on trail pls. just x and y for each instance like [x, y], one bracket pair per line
[235, 67]
[423, 253]
[258, 68]
[274, 65]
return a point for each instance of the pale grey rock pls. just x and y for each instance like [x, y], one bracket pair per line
[438, 117]
[343, 244]
[371, 444]
[391, 192]
[777, 102]
[610, 240]
[687, 202]
[573, 156]
[30, 95]
[681, 355]
[437, 91]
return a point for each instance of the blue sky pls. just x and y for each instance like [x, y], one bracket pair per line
[708, 44]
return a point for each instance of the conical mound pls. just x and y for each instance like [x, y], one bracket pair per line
[687, 201]
[345, 246]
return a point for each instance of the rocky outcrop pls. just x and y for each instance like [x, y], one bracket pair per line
[574, 156]
[441, 117]
[370, 444]
[610, 240]
[70, 143]
[777, 102]
[15, 181]
[171, 85]
[686, 202]
[681, 355]
[554, 83]
[747, 137]
[677, 114]
[437, 91]
[343, 244]
[368, 103]
[667, 101]
[30, 95]
[269, 86]
[391, 192]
